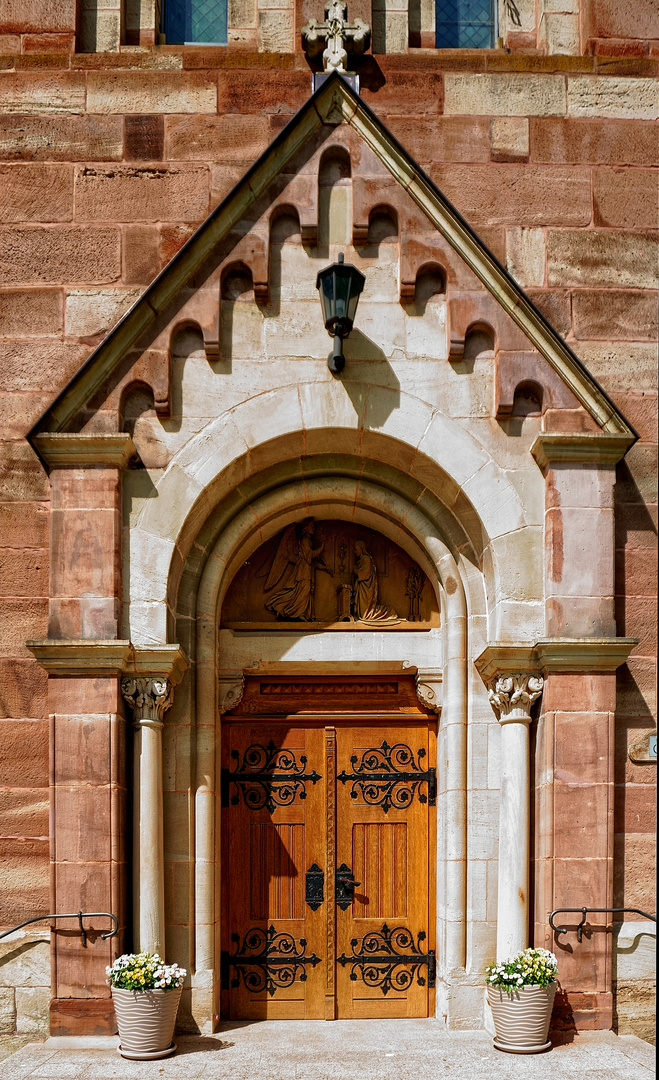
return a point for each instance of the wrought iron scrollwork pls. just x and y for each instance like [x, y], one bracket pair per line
[390, 959]
[267, 960]
[389, 776]
[267, 777]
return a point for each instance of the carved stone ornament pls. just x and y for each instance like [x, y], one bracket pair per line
[231, 687]
[429, 689]
[511, 696]
[148, 697]
[335, 37]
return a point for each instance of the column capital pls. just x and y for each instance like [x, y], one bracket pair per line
[580, 447]
[149, 696]
[63, 449]
[512, 695]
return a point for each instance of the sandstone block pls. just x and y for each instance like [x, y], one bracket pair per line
[22, 619]
[29, 313]
[23, 688]
[141, 193]
[276, 31]
[261, 92]
[559, 33]
[18, 412]
[24, 812]
[224, 138]
[223, 178]
[407, 93]
[526, 255]
[555, 306]
[33, 1010]
[22, 476]
[145, 138]
[509, 138]
[172, 237]
[151, 92]
[626, 198]
[517, 194]
[602, 258]
[610, 19]
[438, 139]
[54, 15]
[32, 92]
[605, 142]
[61, 138]
[504, 95]
[32, 254]
[39, 364]
[635, 808]
[7, 1011]
[49, 43]
[24, 573]
[621, 369]
[90, 312]
[141, 254]
[605, 95]
[614, 315]
[36, 193]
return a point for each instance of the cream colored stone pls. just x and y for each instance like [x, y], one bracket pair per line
[504, 95]
[390, 28]
[101, 30]
[497, 501]
[275, 31]
[509, 137]
[425, 336]
[7, 1011]
[89, 312]
[190, 92]
[25, 958]
[607, 96]
[635, 950]
[33, 1010]
[527, 16]
[241, 330]
[519, 556]
[559, 32]
[242, 13]
[525, 255]
[42, 94]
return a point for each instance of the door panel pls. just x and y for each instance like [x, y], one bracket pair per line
[382, 834]
[274, 805]
[346, 802]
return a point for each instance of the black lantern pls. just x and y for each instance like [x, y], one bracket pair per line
[340, 286]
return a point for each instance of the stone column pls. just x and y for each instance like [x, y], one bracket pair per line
[149, 698]
[511, 697]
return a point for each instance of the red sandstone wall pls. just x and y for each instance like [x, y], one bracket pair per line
[108, 162]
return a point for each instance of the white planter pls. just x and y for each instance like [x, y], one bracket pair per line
[146, 1020]
[521, 1018]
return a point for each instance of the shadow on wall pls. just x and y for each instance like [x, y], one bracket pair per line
[366, 362]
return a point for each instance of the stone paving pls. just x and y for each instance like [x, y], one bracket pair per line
[344, 1050]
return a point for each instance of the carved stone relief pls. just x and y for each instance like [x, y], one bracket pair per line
[330, 575]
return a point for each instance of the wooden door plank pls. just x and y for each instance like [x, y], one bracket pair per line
[330, 876]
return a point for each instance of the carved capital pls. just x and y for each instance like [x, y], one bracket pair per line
[511, 696]
[429, 689]
[149, 698]
[231, 687]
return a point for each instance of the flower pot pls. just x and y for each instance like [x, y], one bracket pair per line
[146, 1020]
[521, 1018]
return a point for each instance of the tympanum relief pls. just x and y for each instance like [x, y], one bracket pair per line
[330, 575]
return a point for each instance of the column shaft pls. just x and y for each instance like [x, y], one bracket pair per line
[514, 851]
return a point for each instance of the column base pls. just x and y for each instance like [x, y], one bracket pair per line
[82, 1016]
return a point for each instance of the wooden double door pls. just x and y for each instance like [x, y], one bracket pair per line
[328, 829]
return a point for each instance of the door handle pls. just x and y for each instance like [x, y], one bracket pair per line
[345, 887]
[314, 882]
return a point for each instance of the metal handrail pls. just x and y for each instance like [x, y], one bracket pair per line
[584, 911]
[79, 915]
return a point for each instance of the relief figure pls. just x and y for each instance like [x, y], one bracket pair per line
[293, 570]
[365, 590]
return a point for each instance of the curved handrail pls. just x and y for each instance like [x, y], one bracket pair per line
[79, 915]
[584, 911]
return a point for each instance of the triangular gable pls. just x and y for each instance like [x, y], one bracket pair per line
[334, 102]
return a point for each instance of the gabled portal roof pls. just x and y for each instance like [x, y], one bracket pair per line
[334, 102]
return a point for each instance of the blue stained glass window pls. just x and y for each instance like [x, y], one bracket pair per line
[195, 22]
[464, 24]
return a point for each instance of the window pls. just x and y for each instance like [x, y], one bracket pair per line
[464, 24]
[195, 22]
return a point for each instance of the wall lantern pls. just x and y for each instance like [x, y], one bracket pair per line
[339, 286]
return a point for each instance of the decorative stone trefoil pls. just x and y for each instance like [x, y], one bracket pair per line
[336, 37]
[511, 696]
[149, 698]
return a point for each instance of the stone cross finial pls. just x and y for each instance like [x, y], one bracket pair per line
[335, 37]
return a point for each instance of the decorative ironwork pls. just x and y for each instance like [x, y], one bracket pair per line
[267, 777]
[390, 776]
[344, 890]
[267, 960]
[314, 885]
[389, 959]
